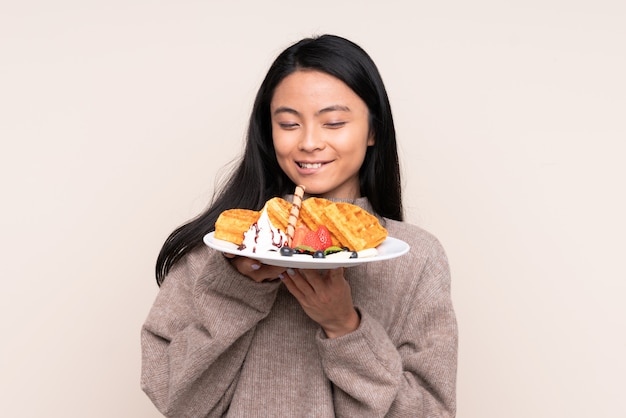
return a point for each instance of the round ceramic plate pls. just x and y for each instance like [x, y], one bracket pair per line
[390, 248]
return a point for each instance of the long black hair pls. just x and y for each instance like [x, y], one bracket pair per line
[258, 177]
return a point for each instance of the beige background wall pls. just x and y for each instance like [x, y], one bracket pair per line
[116, 116]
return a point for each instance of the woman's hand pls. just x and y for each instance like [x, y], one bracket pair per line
[325, 297]
[254, 270]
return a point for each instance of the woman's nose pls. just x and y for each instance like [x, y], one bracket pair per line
[311, 140]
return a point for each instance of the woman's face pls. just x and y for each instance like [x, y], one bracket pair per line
[320, 129]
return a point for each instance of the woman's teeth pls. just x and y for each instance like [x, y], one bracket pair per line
[310, 165]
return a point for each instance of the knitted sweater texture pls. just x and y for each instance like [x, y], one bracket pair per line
[217, 344]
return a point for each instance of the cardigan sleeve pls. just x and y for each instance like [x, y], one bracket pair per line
[413, 372]
[197, 333]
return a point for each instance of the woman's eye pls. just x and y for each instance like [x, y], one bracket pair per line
[334, 125]
[288, 125]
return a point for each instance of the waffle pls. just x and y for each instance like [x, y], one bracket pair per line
[278, 212]
[233, 223]
[312, 216]
[353, 226]
[312, 212]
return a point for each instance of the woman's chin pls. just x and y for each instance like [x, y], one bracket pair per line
[329, 189]
[331, 194]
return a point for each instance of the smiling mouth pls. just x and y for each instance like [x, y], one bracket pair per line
[310, 165]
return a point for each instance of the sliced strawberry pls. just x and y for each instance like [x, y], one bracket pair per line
[324, 236]
[298, 236]
[312, 240]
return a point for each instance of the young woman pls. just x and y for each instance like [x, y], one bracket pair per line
[229, 336]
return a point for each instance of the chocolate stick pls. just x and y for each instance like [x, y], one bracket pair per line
[295, 212]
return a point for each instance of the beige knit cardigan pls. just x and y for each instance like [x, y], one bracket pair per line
[216, 343]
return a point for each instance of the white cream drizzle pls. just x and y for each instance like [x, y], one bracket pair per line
[263, 236]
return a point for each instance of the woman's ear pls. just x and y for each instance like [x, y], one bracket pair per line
[371, 139]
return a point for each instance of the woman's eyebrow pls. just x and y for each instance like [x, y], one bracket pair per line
[334, 108]
[285, 109]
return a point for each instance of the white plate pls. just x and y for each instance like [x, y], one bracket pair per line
[390, 248]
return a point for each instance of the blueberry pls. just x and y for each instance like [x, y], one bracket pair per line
[354, 254]
[286, 251]
[318, 254]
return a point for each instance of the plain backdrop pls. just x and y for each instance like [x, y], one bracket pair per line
[117, 117]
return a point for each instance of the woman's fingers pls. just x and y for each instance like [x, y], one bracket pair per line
[301, 282]
[316, 286]
[290, 283]
[325, 297]
[321, 280]
[255, 270]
